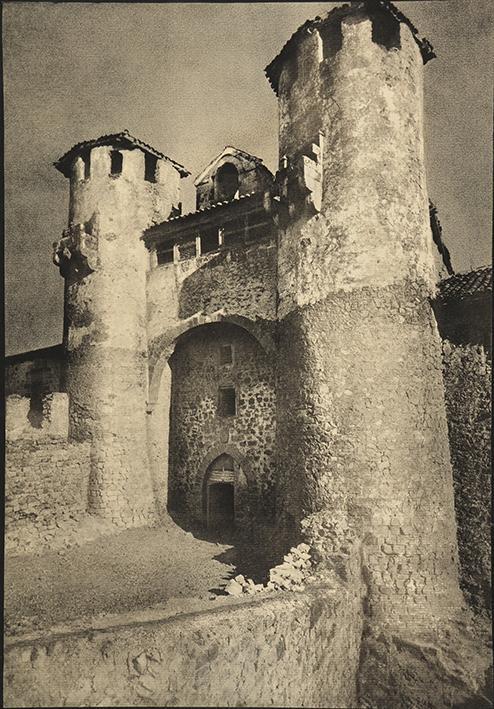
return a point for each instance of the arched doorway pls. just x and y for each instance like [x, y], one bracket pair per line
[220, 492]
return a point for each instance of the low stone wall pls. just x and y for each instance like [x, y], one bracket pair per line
[467, 378]
[289, 649]
[46, 491]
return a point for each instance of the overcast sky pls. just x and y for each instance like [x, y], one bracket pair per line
[188, 79]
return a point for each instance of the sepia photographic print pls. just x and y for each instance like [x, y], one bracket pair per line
[248, 354]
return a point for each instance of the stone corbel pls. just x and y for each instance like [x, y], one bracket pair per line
[76, 251]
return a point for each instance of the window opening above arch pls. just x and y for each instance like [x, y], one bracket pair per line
[227, 401]
[226, 182]
[226, 354]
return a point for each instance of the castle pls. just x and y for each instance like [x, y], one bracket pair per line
[274, 359]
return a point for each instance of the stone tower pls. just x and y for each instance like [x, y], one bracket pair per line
[362, 438]
[119, 186]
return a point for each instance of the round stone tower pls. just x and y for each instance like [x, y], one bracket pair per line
[363, 448]
[119, 186]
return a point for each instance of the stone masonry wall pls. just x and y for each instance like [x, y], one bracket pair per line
[285, 650]
[467, 379]
[238, 281]
[198, 432]
[358, 438]
[46, 488]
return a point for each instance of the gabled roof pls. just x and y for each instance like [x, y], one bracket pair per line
[123, 139]
[228, 150]
[273, 70]
[466, 285]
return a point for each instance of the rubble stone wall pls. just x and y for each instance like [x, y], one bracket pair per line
[357, 437]
[198, 434]
[239, 281]
[237, 284]
[46, 487]
[286, 650]
[467, 379]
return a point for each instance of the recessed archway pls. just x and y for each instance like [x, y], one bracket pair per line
[166, 346]
[185, 407]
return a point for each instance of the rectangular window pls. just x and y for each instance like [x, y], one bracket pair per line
[226, 354]
[227, 404]
[116, 162]
[164, 254]
[150, 164]
[209, 240]
[187, 250]
[233, 233]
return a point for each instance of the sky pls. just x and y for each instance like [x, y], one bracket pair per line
[189, 79]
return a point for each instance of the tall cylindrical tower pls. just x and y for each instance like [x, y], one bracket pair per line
[362, 436]
[118, 187]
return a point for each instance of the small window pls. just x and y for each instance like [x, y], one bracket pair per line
[233, 233]
[331, 38]
[85, 157]
[209, 240]
[226, 182]
[187, 250]
[164, 254]
[150, 164]
[116, 160]
[227, 404]
[226, 354]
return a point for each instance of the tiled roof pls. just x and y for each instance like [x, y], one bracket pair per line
[201, 210]
[273, 70]
[125, 139]
[466, 285]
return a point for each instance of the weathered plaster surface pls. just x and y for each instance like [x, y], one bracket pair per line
[106, 330]
[361, 428]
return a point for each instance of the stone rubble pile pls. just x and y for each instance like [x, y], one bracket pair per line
[288, 576]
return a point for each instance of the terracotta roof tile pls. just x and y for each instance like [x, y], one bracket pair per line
[466, 285]
[273, 70]
[123, 138]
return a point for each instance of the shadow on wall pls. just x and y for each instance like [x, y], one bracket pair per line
[38, 416]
